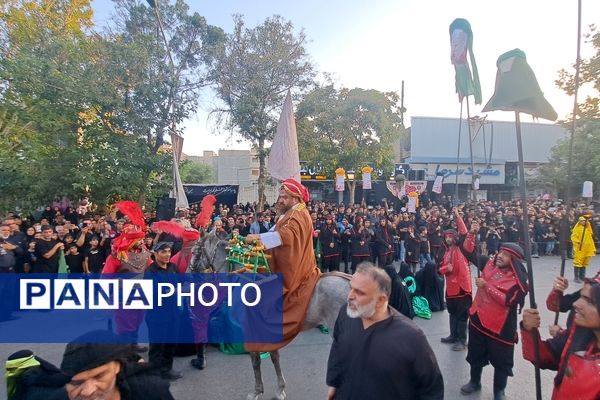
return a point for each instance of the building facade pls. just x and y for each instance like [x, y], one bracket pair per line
[237, 167]
[435, 149]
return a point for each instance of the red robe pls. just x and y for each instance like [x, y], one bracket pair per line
[295, 260]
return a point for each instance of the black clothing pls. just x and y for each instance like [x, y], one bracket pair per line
[458, 310]
[42, 264]
[391, 359]
[430, 285]
[400, 297]
[75, 263]
[162, 322]
[135, 381]
[483, 350]
[95, 259]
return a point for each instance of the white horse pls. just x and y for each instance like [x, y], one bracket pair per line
[330, 294]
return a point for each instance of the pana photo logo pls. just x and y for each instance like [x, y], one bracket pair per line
[141, 294]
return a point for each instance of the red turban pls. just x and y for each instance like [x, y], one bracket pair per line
[296, 189]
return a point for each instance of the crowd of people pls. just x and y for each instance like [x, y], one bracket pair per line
[355, 239]
[343, 236]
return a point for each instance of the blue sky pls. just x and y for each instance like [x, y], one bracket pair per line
[380, 43]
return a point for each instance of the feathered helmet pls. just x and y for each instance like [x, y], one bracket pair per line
[133, 232]
[203, 219]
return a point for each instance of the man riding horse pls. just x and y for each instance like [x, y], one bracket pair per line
[290, 245]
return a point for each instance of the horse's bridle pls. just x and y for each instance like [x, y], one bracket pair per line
[211, 260]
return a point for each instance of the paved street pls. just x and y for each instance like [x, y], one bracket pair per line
[304, 361]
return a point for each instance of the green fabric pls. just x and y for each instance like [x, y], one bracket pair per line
[421, 307]
[411, 284]
[517, 88]
[324, 329]
[318, 253]
[509, 54]
[232, 348]
[14, 369]
[62, 263]
[466, 83]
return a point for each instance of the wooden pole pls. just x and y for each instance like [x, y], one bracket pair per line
[458, 155]
[565, 226]
[527, 245]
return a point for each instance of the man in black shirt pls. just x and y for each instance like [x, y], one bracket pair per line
[378, 353]
[47, 252]
[74, 259]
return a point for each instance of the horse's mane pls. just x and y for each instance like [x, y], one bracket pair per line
[208, 244]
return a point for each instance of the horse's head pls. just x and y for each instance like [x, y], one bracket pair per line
[209, 253]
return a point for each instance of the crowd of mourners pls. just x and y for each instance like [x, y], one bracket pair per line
[344, 235]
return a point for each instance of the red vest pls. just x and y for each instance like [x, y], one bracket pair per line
[460, 276]
[492, 313]
[582, 378]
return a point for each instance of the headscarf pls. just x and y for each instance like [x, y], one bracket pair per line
[579, 338]
[516, 253]
[94, 349]
[296, 189]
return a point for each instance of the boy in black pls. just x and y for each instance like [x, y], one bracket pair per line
[74, 259]
[94, 258]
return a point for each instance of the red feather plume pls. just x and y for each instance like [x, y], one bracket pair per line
[170, 227]
[133, 211]
[207, 208]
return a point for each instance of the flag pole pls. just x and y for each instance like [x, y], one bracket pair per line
[564, 225]
[458, 154]
[527, 247]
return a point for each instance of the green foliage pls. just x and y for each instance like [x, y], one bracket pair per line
[586, 160]
[586, 139]
[589, 77]
[253, 72]
[193, 172]
[349, 127]
[157, 89]
[85, 113]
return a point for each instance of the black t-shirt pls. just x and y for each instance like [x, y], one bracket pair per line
[42, 264]
[75, 263]
[95, 259]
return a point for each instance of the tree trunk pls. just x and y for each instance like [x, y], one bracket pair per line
[352, 187]
[261, 174]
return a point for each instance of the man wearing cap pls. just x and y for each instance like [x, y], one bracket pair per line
[501, 288]
[163, 321]
[290, 244]
[455, 267]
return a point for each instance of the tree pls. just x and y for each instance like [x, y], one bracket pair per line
[159, 78]
[586, 160]
[96, 105]
[160, 83]
[586, 139]
[349, 128]
[47, 85]
[253, 72]
[193, 172]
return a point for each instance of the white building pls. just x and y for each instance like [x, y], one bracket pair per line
[237, 167]
[434, 148]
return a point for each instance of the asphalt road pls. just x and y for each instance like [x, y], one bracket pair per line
[304, 361]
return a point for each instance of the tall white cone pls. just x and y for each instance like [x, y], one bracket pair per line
[284, 160]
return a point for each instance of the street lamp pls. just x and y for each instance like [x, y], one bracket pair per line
[350, 175]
